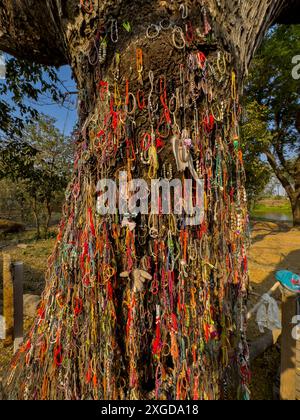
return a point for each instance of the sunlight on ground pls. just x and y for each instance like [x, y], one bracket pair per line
[274, 247]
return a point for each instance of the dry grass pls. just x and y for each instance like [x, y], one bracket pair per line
[34, 254]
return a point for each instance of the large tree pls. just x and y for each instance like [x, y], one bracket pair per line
[40, 161]
[276, 96]
[145, 306]
[254, 131]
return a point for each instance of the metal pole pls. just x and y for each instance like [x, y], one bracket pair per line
[18, 269]
[8, 300]
[298, 356]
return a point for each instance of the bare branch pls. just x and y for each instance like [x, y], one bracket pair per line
[280, 174]
[290, 13]
[38, 29]
[30, 29]
[278, 147]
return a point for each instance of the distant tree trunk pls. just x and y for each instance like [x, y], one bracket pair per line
[99, 333]
[22, 207]
[48, 217]
[35, 211]
[296, 211]
[296, 199]
[290, 182]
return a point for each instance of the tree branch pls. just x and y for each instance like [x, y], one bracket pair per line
[278, 146]
[30, 30]
[36, 29]
[244, 24]
[290, 14]
[280, 174]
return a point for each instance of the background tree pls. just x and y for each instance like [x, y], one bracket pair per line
[178, 336]
[25, 84]
[273, 95]
[254, 132]
[39, 163]
[274, 188]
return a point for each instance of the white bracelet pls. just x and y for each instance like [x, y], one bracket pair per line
[165, 24]
[155, 29]
[103, 52]
[131, 95]
[184, 11]
[114, 31]
[177, 30]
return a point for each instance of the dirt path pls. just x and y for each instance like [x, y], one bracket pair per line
[274, 247]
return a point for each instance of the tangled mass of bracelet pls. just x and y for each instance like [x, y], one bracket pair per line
[145, 306]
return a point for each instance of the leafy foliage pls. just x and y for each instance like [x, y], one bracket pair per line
[39, 164]
[271, 84]
[25, 84]
[273, 109]
[254, 138]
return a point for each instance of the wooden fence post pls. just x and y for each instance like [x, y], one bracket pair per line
[12, 302]
[298, 355]
[18, 271]
[8, 300]
[288, 348]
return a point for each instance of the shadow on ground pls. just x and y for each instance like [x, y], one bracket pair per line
[275, 247]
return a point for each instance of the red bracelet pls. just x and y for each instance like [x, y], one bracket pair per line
[201, 59]
[209, 123]
[145, 146]
[141, 103]
[78, 306]
[103, 87]
[87, 6]
[58, 358]
[189, 33]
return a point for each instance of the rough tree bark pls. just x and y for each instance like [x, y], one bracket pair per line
[99, 333]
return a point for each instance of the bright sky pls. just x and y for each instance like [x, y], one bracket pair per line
[66, 118]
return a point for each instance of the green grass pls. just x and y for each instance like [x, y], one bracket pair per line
[272, 209]
[33, 253]
[273, 205]
[285, 208]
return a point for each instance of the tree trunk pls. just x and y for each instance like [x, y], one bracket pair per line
[48, 218]
[101, 334]
[292, 191]
[36, 218]
[296, 211]
[22, 206]
[296, 198]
